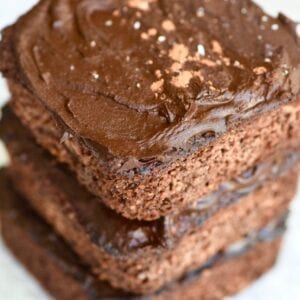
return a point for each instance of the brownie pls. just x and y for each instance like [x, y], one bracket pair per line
[154, 103]
[60, 271]
[137, 255]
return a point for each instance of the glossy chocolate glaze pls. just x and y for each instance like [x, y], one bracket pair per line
[142, 80]
[17, 210]
[116, 234]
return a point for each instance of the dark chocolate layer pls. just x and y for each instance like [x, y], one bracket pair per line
[113, 232]
[16, 212]
[141, 80]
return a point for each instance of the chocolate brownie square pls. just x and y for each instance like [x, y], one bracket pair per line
[154, 103]
[62, 273]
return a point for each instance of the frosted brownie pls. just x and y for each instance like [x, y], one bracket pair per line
[60, 271]
[143, 256]
[154, 103]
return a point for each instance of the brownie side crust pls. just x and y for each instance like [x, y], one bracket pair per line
[166, 190]
[109, 227]
[241, 107]
[58, 269]
[157, 252]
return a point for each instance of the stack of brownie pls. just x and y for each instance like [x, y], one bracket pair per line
[154, 145]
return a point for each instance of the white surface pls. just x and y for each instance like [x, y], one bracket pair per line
[282, 283]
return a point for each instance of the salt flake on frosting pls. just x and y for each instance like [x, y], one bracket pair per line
[140, 4]
[168, 25]
[179, 52]
[201, 50]
[182, 80]
[157, 85]
[216, 47]
[95, 75]
[260, 70]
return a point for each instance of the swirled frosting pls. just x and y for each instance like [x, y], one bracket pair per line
[145, 78]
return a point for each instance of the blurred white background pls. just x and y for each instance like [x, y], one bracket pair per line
[283, 283]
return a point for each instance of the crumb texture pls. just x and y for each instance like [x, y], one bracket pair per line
[162, 191]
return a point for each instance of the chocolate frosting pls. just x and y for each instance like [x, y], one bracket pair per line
[111, 231]
[144, 79]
